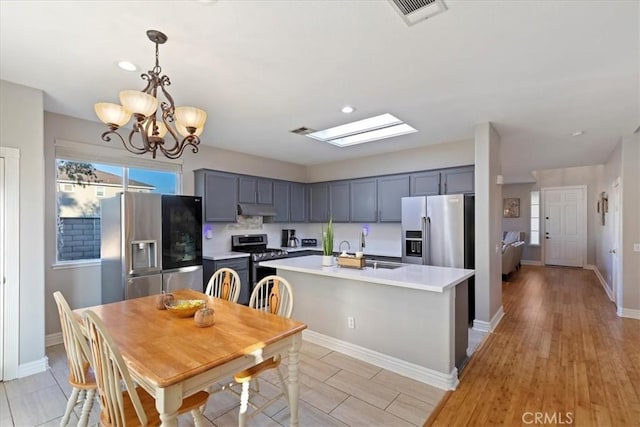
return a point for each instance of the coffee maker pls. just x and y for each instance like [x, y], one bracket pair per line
[289, 239]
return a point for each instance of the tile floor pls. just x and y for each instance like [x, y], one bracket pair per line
[335, 390]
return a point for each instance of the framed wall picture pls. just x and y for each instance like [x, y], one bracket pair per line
[511, 208]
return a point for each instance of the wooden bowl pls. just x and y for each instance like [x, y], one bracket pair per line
[184, 307]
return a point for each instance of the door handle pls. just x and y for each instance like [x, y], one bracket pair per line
[612, 251]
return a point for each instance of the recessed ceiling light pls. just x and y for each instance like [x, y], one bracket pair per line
[127, 66]
[367, 130]
[577, 133]
[347, 109]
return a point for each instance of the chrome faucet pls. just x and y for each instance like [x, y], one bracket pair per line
[362, 241]
[340, 246]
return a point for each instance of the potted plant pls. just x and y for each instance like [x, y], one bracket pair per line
[327, 244]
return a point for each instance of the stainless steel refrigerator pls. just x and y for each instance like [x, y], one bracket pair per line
[150, 243]
[439, 230]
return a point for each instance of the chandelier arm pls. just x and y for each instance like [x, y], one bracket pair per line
[176, 151]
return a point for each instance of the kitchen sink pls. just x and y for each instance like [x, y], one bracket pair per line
[387, 265]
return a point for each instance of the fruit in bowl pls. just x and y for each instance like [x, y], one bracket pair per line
[184, 307]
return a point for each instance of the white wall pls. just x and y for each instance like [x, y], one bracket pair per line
[488, 279]
[631, 225]
[21, 126]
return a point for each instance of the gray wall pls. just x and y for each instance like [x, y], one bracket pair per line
[21, 117]
[523, 192]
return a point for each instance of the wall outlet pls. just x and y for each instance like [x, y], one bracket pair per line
[351, 322]
[498, 247]
[636, 247]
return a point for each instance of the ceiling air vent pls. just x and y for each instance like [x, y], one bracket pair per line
[414, 11]
[302, 131]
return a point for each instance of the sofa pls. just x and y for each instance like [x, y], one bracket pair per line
[512, 248]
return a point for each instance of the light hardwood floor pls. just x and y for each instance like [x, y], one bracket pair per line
[335, 390]
[559, 356]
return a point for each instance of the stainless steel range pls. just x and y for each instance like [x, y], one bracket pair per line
[256, 245]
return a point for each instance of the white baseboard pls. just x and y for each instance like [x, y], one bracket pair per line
[53, 339]
[482, 326]
[630, 313]
[603, 282]
[35, 367]
[407, 369]
[530, 262]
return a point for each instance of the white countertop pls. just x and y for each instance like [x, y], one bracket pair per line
[225, 255]
[423, 277]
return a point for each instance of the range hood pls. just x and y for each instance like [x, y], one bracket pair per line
[254, 209]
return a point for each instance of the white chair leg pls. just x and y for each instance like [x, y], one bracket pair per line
[73, 399]
[244, 402]
[86, 408]
[197, 417]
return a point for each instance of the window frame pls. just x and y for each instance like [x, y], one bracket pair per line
[533, 218]
[92, 153]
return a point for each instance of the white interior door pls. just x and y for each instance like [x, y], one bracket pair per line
[564, 238]
[614, 209]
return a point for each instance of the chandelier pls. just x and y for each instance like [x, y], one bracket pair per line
[150, 125]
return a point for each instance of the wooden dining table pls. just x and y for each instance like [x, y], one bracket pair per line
[171, 358]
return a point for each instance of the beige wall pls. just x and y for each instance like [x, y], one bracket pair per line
[523, 223]
[21, 124]
[417, 159]
[488, 205]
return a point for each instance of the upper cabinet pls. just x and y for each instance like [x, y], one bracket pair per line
[255, 190]
[425, 183]
[281, 201]
[339, 201]
[457, 180]
[391, 190]
[219, 192]
[298, 202]
[319, 202]
[364, 200]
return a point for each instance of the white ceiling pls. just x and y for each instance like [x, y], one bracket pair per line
[539, 70]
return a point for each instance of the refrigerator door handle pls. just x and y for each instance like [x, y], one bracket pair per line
[426, 248]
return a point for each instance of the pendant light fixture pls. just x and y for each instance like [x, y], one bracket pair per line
[151, 124]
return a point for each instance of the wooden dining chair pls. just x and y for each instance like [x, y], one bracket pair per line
[225, 284]
[81, 378]
[122, 402]
[273, 295]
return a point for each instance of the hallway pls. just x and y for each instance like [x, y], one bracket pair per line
[559, 356]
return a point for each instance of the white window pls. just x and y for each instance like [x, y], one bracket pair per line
[534, 238]
[66, 188]
[78, 212]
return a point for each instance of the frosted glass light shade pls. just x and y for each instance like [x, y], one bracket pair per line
[139, 102]
[182, 130]
[112, 114]
[190, 117]
[162, 129]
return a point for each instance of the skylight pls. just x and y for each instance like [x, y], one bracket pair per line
[367, 130]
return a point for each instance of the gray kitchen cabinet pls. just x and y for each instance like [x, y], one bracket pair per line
[281, 201]
[252, 189]
[339, 201]
[297, 202]
[425, 183]
[391, 190]
[457, 180]
[219, 192]
[319, 202]
[240, 265]
[363, 206]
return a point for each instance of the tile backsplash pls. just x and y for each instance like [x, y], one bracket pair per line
[382, 239]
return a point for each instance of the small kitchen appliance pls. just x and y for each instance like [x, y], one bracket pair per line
[289, 239]
[309, 243]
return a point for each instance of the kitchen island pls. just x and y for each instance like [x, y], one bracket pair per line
[410, 319]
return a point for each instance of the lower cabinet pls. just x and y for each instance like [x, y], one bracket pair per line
[240, 265]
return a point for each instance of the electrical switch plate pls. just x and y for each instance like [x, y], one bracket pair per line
[351, 322]
[636, 247]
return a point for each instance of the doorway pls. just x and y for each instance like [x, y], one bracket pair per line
[614, 250]
[9, 262]
[565, 226]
